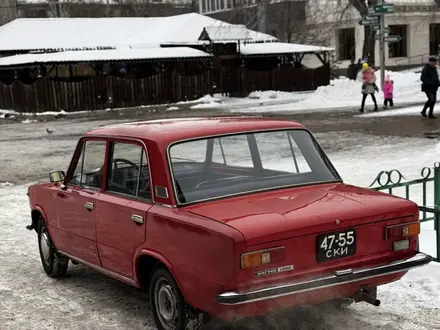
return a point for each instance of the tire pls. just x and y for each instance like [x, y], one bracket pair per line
[54, 264]
[164, 293]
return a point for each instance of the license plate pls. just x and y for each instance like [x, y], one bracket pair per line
[336, 245]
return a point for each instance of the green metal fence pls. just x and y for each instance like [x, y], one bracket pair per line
[393, 180]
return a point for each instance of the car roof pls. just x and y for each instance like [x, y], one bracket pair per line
[167, 131]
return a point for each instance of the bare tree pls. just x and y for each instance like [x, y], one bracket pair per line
[141, 8]
[369, 37]
[289, 21]
[58, 8]
[7, 11]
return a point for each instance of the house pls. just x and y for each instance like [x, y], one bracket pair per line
[96, 63]
[416, 22]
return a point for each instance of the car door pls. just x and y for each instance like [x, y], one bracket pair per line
[122, 207]
[76, 214]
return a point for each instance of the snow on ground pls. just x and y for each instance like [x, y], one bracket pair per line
[407, 111]
[85, 299]
[343, 92]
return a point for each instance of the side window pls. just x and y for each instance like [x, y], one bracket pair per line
[128, 170]
[88, 171]
[279, 151]
[232, 151]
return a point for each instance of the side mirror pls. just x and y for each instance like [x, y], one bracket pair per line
[57, 176]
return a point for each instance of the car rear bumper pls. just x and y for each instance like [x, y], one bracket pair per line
[337, 278]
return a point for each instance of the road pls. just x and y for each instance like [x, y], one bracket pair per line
[85, 299]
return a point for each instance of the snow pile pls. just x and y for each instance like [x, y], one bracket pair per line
[343, 92]
[205, 102]
[207, 105]
[6, 184]
[270, 95]
[29, 121]
[340, 93]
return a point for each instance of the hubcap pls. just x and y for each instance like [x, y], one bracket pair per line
[166, 304]
[45, 247]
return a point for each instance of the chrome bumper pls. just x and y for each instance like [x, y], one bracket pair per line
[338, 278]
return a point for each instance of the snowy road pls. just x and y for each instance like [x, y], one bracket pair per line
[85, 299]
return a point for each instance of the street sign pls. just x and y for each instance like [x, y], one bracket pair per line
[385, 30]
[393, 38]
[383, 8]
[371, 11]
[370, 20]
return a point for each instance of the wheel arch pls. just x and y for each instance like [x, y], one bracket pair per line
[37, 213]
[145, 262]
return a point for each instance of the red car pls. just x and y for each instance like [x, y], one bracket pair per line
[222, 216]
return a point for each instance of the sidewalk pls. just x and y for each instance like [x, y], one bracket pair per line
[263, 108]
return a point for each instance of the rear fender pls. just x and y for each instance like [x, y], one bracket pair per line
[150, 253]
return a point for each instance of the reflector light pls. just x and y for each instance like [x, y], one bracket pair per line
[262, 257]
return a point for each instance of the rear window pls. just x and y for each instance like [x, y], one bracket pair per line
[244, 163]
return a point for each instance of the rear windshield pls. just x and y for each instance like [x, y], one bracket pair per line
[244, 163]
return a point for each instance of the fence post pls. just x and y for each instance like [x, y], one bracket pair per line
[436, 191]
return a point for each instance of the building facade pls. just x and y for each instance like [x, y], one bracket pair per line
[417, 22]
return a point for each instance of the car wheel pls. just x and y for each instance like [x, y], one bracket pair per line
[54, 264]
[170, 310]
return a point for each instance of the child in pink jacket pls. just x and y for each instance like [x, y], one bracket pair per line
[388, 91]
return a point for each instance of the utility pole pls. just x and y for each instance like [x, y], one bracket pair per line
[376, 19]
[382, 48]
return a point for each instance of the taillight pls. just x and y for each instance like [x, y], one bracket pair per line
[402, 230]
[262, 257]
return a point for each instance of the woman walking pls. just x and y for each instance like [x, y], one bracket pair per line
[369, 86]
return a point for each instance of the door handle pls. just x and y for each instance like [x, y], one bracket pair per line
[137, 218]
[89, 205]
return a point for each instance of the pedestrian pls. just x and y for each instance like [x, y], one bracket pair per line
[369, 86]
[358, 66]
[430, 85]
[388, 91]
[352, 73]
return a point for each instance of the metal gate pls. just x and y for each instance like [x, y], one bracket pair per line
[393, 180]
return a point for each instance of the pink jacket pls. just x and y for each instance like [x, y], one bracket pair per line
[388, 90]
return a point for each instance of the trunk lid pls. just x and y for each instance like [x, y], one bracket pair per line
[294, 212]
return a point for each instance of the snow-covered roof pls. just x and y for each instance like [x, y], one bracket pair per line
[102, 55]
[279, 48]
[108, 32]
[233, 32]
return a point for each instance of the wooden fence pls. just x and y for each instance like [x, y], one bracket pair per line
[103, 92]
[286, 79]
[107, 91]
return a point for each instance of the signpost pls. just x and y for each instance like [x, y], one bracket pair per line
[376, 19]
[383, 8]
[370, 20]
[392, 38]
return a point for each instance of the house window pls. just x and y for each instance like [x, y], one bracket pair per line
[346, 44]
[434, 38]
[398, 49]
